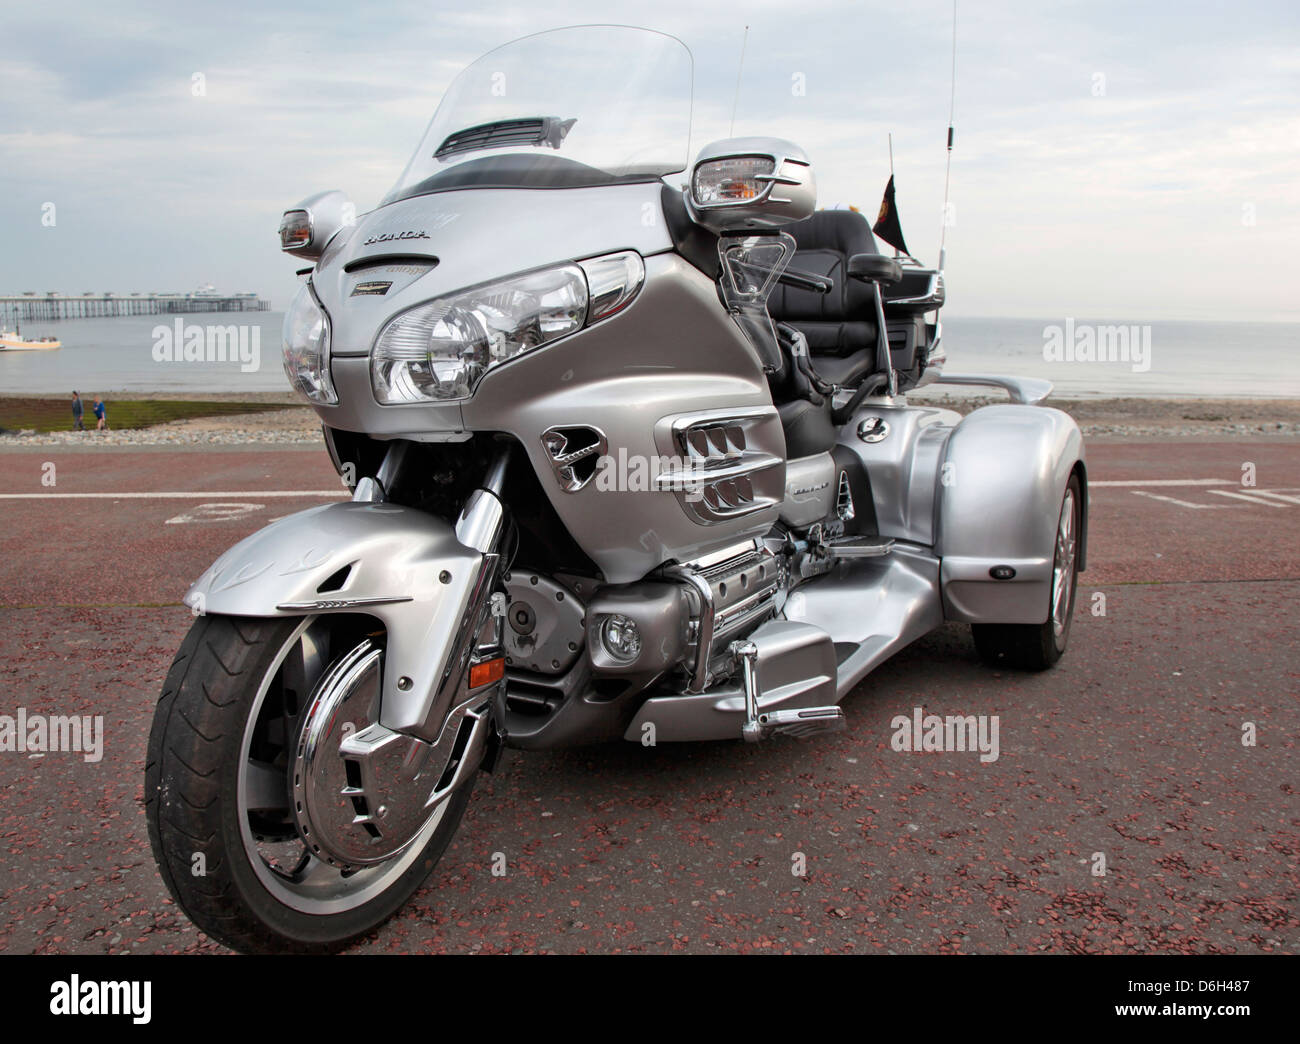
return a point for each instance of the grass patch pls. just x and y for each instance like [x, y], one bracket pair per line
[40, 414]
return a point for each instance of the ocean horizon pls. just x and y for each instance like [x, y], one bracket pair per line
[1082, 357]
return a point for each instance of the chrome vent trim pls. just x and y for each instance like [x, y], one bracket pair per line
[575, 451]
[844, 500]
[717, 464]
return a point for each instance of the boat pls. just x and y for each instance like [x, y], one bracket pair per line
[13, 341]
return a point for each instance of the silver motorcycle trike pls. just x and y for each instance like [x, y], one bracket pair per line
[630, 456]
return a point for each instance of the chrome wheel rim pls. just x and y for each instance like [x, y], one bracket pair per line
[1063, 567]
[285, 866]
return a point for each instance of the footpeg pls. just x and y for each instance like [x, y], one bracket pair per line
[860, 547]
[803, 721]
[796, 721]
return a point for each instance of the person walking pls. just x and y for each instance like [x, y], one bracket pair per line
[102, 413]
[77, 411]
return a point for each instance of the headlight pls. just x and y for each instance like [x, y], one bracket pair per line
[442, 349]
[307, 348]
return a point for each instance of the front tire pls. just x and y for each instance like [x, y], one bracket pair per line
[1036, 647]
[228, 714]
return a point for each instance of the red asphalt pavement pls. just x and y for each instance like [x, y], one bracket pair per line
[1131, 748]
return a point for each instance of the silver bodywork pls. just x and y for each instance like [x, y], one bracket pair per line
[670, 378]
[405, 568]
[1007, 467]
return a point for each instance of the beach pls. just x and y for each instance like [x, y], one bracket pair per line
[297, 423]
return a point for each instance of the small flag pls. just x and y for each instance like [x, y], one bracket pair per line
[887, 226]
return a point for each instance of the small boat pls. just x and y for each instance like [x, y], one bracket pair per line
[12, 341]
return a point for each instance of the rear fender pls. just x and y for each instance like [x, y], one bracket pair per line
[402, 566]
[1004, 472]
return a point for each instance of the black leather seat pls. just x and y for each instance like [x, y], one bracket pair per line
[840, 326]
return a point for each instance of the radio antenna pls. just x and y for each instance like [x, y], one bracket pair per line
[739, 72]
[952, 105]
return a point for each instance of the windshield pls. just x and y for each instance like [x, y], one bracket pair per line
[589, 105]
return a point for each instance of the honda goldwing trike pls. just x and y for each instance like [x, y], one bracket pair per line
[630, 459]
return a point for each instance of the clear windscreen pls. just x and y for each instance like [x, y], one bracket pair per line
[581, 106]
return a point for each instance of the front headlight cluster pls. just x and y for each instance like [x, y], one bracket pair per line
[307, 348]
[440, 350]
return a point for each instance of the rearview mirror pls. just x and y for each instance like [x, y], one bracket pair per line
[740, 184]
[307, 228]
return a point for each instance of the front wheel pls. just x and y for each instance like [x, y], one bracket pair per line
[224, 786]
[1035, 647]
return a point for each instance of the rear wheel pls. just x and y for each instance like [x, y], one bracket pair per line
[244, 699]
[1035, 647]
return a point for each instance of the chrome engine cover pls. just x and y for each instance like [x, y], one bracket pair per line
[544, 629]
[732, 593]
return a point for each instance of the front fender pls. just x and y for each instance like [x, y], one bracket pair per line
[400, 565]
[1003, 477]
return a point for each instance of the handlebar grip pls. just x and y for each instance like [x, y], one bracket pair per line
[807, 281]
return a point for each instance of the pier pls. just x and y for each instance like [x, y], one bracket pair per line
[31, 307]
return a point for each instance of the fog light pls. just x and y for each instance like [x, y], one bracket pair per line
[621, 639]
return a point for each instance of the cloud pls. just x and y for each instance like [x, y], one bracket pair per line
[1124, 202]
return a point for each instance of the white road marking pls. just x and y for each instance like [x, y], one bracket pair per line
[205, 495]
[1249, 498]
[220, 512]
[1276, 498]
[1163, 482]
[1287, 495]
[1182, 503]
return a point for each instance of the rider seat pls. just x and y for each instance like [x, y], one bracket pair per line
[840, 326]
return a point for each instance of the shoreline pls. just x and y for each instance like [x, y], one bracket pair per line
[297, 423]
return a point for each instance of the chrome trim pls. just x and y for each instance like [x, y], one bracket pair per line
[844, 509]
[718, 417]
[692, 478]
[1028, 390]
[325, 604]
[933, 294]
[724, 456]
[704, 626]
[885, 356]
[746, 654]
[562, 463]
[873, 429]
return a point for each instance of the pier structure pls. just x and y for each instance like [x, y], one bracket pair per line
[32, 307]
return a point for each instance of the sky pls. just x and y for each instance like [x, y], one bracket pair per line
[1113, 160]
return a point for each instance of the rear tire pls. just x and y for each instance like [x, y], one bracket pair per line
[1036, 647]
[197, 829]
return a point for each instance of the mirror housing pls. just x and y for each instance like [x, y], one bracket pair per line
[743, 184]
[307, 228]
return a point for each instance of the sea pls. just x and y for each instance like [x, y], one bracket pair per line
[1082, 358]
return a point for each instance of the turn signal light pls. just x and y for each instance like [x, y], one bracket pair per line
[487, 672]
[295, 230]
